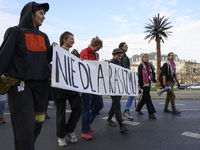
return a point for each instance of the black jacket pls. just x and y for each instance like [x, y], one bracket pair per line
[167, 74]
[140, 76]
[25, 51]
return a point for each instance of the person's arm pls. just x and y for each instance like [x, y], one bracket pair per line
[7, 48]
[140, 78]
[164, 70]
[84, 54]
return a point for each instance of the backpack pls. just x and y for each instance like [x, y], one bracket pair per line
[75, 52]
[161, 76]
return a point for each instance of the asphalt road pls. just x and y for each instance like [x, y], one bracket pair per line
[167, 132]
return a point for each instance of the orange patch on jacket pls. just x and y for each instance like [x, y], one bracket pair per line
[35, 43]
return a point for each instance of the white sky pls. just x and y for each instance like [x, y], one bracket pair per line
[116, 21]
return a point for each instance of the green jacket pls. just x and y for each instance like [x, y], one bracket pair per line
[126, 61]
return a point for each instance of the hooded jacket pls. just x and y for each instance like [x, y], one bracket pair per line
[25, 51]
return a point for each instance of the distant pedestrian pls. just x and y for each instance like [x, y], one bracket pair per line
[115, 108]
[3, 100]
[169, 74]
[146, 76]
[88, 116]
[125, 60]
[64, 128]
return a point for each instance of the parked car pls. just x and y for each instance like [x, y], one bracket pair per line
[194, 87]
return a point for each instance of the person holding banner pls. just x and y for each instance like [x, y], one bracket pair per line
[123, 46]
[146, 76]
[115, 108]
[25, 54]
[88, 116]
[60, 96]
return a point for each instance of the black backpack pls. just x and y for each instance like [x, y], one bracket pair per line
[75, 52]
[161, 76]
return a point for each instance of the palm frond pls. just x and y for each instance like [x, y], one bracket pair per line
[158, 27]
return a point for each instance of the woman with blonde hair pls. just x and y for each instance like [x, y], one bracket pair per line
[146, 76]
[66, 128]
[88, 116]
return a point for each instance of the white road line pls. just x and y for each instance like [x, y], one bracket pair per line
[190, 134]
[176, 104]
[125, 122]
[189, 109]
[141, 110]
[68, 111]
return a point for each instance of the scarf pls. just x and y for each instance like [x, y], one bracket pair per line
[147, 74]
[172, 66]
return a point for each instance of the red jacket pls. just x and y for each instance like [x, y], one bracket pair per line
[88, 54]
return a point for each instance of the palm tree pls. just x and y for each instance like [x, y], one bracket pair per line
[157, 29]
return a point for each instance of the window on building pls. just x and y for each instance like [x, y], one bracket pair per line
[155, 56]
[139, 58]
[136, 59]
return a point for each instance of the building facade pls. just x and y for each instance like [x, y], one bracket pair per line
[188, 72]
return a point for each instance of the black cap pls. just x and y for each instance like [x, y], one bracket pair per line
[117, 50]
[45, 6]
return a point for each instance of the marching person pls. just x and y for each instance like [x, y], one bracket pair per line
[169, 74]
[88, 116]
[125, 60]
[146, 76]
[60, 96]
[25, 54]
[115, 108]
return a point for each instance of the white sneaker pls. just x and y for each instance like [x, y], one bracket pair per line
[62, 142]
[72, 136]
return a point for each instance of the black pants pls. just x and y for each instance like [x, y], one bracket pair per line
[115, 108]
[76, 107]
[27, 109]
[146, 98]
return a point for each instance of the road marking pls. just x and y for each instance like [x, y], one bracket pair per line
[125, 122]
[68, 111]
[176, 104]
[190, 134]
[189, 109]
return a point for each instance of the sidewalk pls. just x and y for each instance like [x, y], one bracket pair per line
[180, 95]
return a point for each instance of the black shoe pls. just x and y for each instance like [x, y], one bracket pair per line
[47, 116]
[110, 123]
[152, 116]
[139, 112]
[167, 111]
[175, 112]
[123, 129]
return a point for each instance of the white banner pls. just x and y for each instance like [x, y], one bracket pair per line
[94, 77]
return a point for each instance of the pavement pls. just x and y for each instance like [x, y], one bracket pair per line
[167, 132]
[180, 95]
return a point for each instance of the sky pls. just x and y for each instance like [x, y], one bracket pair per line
[115, 21]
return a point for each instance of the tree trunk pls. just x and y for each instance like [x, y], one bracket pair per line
[158, 59]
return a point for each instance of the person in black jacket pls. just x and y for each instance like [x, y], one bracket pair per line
[169, 74]
[146, 76]
[60, 96]
[25, 54]
[115, 108]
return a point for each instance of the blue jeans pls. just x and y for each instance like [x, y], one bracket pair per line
[88, 116]
[129, 103]
[2, 108]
